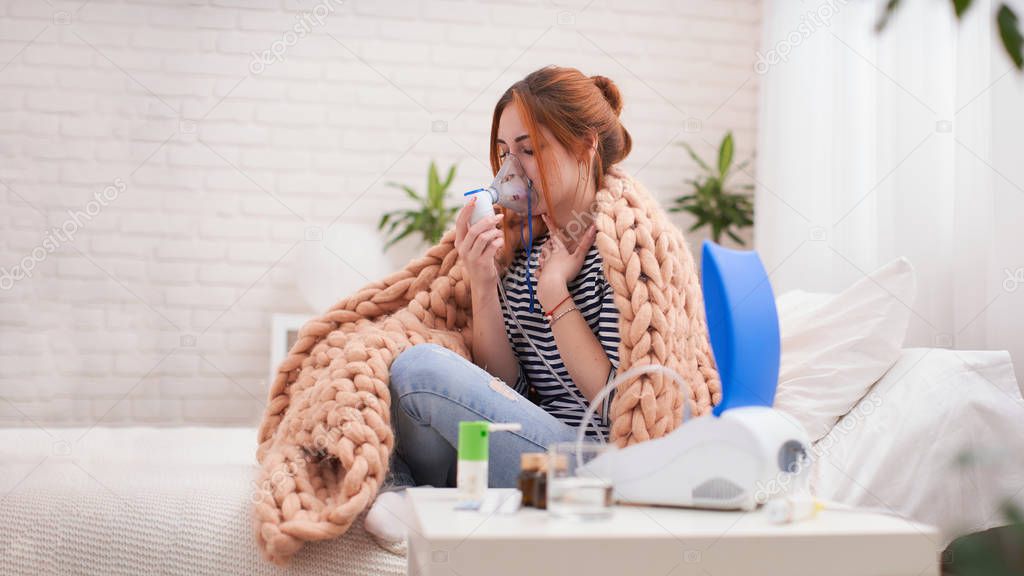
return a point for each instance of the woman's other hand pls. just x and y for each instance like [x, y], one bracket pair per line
[478, 245]
[557, 266]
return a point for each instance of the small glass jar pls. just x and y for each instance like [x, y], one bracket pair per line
[531, 470]
[574, 489]
[540, 493]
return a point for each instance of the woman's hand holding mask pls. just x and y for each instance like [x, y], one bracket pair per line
[478, 244]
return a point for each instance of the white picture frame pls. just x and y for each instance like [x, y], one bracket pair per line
[284, 331]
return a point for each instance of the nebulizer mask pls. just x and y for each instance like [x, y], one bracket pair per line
[513, 189]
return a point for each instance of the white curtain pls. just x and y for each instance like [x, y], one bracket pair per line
[903, 143]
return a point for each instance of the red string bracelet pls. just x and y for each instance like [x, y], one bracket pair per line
[552, 311]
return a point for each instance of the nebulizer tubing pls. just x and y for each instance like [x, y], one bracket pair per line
[625, 377]
[526, 336]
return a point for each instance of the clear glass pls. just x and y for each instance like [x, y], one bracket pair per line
[575, 491]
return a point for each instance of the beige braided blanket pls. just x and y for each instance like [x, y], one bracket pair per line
[326, 437]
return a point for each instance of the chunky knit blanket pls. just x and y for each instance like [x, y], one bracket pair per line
[326, 436]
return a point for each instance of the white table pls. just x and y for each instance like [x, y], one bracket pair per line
[661, 541]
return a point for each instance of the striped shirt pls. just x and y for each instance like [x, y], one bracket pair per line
[594, 298]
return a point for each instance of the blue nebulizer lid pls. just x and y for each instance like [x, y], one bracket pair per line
[743, 325]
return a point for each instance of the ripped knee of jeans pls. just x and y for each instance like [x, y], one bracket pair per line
[499, 386]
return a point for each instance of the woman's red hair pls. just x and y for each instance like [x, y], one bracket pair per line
[575, 109]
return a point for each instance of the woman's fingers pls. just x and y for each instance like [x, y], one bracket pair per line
[462, 220]
[485, 224]
[584, 246]
[545, 253]
[474, 230]
[491, 250]
[552, 232]
[555, 244]
[554, 240]
[483, 240]
[588, 239]
[547, 224]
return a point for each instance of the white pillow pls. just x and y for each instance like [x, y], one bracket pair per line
[898, 447]
[836, 346]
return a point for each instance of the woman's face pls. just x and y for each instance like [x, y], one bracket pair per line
[567, 197]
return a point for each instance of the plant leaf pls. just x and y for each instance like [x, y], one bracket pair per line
[433, 183]
[696, 158]
[961, 6]
[409, 230]
[397, 222]
[725, 156]
[435, 196]
[887, 12]
[408, 190]
[450, 177]
[1010, 34]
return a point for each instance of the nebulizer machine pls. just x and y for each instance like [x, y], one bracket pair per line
[745, 453]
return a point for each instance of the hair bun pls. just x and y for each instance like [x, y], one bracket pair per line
[610, 91]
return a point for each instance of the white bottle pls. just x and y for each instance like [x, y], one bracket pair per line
[484, 204]
[471, 471]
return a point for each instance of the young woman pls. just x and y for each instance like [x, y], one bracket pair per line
[564, 128]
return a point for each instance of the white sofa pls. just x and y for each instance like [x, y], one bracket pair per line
[139, 501]
[177, 500]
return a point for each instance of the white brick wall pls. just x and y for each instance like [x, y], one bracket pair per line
[224, 169]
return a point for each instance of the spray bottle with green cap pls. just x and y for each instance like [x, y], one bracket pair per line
[471, 474]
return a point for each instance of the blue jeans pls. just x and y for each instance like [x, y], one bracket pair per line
[432, 390]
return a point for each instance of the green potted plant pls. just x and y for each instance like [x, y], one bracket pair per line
[429, 217]
[711, 202]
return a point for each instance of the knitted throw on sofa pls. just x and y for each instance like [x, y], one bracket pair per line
[326, 436]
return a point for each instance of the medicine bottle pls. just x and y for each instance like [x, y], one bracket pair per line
[530, 472]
